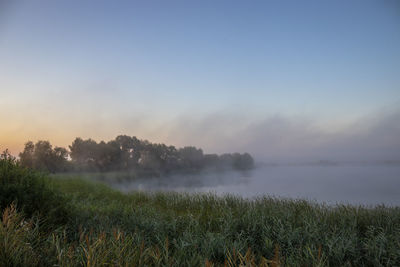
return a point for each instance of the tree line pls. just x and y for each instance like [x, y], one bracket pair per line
[126, 153]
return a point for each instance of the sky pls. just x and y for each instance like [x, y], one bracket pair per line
[283, 80]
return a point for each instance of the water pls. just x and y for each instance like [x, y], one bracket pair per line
[362, 184]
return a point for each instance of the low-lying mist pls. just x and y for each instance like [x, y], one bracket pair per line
[361, 184]
[180, 182]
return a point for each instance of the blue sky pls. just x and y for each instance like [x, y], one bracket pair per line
[100, 68]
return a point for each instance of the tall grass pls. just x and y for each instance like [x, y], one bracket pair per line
[106, 227]
[16, 236]
[211, 227]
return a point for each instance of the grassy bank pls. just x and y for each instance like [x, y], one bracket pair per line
[107, 227]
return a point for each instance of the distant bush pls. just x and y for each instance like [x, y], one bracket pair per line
[31, 192]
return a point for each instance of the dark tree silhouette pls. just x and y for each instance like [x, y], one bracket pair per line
[83, 154]
[43, 157]
[191, 157]
[128, 154]
[26, 157]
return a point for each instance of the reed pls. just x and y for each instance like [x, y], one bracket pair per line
[109, 228]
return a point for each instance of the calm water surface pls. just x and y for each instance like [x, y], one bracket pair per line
[367, 185]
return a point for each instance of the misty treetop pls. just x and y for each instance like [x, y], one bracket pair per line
[126, 153]
[42, 156]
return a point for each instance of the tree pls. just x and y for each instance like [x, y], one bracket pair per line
[192, 157]
[42, 156]
[242, 161]
[107, 156]
[26, 157]
[61, 159]
[83, 153]
[126, 153]
[130, 151]
[211, 161]
[226, 161]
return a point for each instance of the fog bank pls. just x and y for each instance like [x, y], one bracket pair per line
[355, 184]
[280, 138]
[269, 138]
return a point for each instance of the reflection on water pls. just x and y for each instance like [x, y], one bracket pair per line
[367, 185]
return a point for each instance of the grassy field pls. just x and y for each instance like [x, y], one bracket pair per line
[74, 222]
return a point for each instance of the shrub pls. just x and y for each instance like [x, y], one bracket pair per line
[31, 191]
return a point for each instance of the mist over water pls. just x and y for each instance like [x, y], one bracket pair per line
[331, 184]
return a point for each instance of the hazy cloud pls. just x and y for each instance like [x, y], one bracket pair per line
[270, 138]
[284, 138]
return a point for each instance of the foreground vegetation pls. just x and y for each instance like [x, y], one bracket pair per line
[73, 222]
